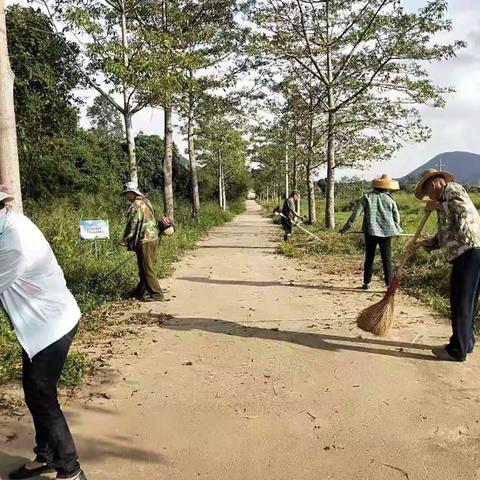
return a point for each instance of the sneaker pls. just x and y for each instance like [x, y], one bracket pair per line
[442, 354]
[366, 286]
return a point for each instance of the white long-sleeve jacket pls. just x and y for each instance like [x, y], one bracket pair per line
[33, 290]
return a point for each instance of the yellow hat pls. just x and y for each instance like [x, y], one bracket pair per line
[385, 182]
[426, 175]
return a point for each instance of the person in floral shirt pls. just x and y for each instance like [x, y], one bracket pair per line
[458, 235]
[141, 236]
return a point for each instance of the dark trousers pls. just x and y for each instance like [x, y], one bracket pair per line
[287, 227]
[386, 253]
[146, 259]
[54, 442]
[464, 291]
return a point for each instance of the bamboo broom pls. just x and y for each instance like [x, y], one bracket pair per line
[378, 318]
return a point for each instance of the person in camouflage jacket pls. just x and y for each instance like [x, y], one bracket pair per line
[458, 235]
[141, 236]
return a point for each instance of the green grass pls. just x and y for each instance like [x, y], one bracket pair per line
[426, 276]
[85, 273]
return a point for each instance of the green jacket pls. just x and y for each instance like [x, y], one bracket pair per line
[141, 224]
[381, 216]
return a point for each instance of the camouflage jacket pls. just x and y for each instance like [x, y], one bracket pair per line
[141, 224]
[458, 223]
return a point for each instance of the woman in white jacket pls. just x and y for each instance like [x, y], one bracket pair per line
[45, 316]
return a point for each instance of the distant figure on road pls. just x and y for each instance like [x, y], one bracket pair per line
[458, 235]
[289, 213]
[381, 222]
[141, 237]
[44, 315]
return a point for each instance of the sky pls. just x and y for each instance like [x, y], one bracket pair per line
[454, 128]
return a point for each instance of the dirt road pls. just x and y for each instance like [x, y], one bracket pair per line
[262, 374]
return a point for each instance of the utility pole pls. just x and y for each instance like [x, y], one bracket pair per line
[440, 164]
[9, 166]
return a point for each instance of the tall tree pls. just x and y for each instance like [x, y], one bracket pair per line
[111, 58]
[9, 167]
[357, 49]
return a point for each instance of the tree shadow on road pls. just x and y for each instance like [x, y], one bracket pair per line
[331, 343]
[256, 283]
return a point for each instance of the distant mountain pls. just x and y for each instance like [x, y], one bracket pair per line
[465, 166]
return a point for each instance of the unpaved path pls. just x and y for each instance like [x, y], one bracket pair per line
[262, 374]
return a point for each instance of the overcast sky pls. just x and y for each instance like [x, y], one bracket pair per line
[453, 128]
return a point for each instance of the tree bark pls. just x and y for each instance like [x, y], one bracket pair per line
[132, 157]
[127, 114]
[286, 172]
[224, 190]
[167, 165]
[193, 164]
[330, 193]
[312, 212]
[220, 181]
[9, 166]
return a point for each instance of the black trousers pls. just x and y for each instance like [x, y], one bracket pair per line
[287, 227]
[54, 442]
[385, 244]
[464, 291]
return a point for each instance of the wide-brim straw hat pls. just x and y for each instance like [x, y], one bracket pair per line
[385, 182]
[5, 195]
[427, 175]
[131, 187]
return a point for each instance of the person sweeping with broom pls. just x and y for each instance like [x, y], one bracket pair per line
[381, 222]
[458, 235]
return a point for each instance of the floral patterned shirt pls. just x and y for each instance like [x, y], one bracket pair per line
[458, 223]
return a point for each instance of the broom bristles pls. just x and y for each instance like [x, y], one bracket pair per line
[378, 318]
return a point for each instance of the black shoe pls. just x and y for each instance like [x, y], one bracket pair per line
[443, 354]
[24, 472]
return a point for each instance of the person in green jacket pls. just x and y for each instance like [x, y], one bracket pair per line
[381, 222]
[141, 237]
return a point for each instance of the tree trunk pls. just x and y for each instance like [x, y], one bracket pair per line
[220, 181]
[127, 114]
[312, 212]
[167, 165]
[330, 193]
[193, 165]
[224, 190]
[9, 167]
[286, 171]
[132, 156]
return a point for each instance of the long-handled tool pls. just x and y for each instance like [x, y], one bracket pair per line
[111, 272]
[302, 228]
[378, 318]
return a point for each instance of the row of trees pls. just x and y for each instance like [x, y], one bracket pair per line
[334, 83]
[180, 56]
[348, 77]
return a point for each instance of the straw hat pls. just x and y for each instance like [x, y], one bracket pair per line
[385, 182]
[5, 196]
[131, 187]
[426, 175]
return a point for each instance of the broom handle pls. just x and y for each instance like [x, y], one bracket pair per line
[419, 231]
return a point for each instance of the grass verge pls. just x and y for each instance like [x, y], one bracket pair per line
[85, 273]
